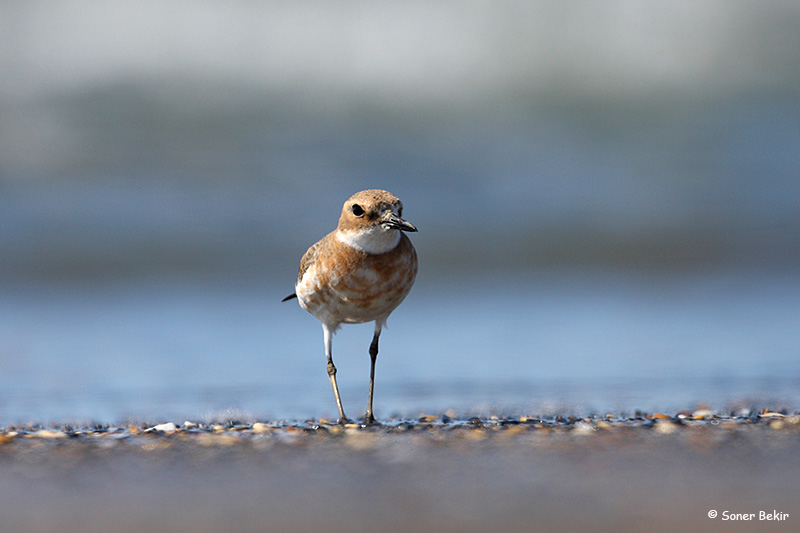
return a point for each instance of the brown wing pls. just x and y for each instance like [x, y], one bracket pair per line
[309, 258]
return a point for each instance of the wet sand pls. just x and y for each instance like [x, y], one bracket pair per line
[653, 472]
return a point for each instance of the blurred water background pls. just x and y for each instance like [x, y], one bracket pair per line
[608, 198]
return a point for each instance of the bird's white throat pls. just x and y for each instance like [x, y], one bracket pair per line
[375, 240]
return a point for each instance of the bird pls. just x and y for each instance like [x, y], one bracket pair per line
[358, 273]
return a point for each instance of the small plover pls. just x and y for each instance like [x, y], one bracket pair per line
[358, 273]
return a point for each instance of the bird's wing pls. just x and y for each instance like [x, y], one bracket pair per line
[309, 258]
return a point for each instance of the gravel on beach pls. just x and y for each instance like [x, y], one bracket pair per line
[440, 472]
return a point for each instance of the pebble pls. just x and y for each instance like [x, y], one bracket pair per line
[260, 427]
[771, 414]
[583, 428]
[168, 427]
[699, 426]
[49, 434]
[665, 427]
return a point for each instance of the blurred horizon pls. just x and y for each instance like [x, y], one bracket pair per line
[188, 137]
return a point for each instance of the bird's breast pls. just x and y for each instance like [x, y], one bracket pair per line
[345, 285]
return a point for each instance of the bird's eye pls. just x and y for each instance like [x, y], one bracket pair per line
[400, 212]
[357, 210]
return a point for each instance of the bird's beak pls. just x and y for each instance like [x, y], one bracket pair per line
[392, 221]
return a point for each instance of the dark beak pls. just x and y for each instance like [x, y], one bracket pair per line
[393, 221]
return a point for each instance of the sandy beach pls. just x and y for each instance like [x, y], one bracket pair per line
[655, 472]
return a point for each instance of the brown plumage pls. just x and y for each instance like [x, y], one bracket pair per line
[358, 273]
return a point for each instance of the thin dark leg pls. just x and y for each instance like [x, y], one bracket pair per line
[373, 356]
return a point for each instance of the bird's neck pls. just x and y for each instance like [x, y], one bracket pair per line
[375, 240]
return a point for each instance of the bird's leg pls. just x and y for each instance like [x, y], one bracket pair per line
[373, 355]
[328, 336]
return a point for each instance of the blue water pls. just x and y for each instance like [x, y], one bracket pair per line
[608, 218]
[537, 343]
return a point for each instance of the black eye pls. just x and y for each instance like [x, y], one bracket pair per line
[357, 210]
[400, 212]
